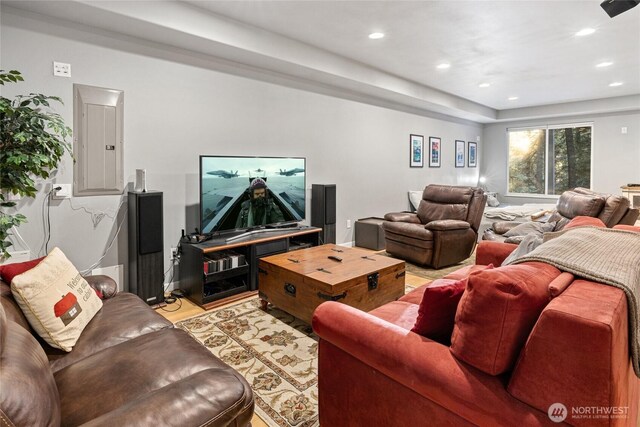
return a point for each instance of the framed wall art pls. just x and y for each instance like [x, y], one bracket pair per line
[434, 152]
[459, 154]
[416, 150]
[472, 155]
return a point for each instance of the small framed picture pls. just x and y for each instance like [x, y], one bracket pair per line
[472, 155]
[416, 147]
[434, 152]
[459, 154]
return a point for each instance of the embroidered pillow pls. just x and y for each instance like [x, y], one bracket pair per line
[56, 300]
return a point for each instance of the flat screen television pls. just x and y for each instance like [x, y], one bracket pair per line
[248, 193]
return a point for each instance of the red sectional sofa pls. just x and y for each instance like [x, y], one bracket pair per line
[373, 371]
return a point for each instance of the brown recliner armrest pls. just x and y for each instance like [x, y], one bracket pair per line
[630, 217]
[501, 227]
[447, 224]
[402, 217]
[105, 284]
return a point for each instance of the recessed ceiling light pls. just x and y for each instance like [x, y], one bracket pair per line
[585, 32]
[443, 66]
[375, 36]
[484, 85]
[614, 84]
[604, 64]
[512, 98]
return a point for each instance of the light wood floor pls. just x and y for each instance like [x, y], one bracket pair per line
[176, 312]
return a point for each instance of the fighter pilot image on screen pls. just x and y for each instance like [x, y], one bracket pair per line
[259, 209]
[265, 194]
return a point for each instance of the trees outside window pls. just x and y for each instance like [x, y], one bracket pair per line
[549, 160]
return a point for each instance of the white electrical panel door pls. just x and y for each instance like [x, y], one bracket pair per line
[98, 141]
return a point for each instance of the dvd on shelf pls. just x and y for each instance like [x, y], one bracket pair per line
[222, 261]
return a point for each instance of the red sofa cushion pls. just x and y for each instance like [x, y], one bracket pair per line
[497, 312]
[9, 271]
[437, 310]
[581, 221]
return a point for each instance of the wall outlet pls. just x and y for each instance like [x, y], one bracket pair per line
[623, 130]
[63, 193]
[174, 253]
[61, 69]
[348, 223]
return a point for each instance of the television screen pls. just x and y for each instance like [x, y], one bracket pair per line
[249, 192]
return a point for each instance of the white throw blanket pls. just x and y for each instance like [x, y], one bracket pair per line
[509, 213]
[603, 255]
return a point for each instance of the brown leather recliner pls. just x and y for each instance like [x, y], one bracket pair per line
[611, 209]
[442, 232]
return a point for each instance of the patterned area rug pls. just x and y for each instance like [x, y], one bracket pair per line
[275, 352]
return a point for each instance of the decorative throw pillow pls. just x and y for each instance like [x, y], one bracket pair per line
[437, 309]
[9, 271]
[497, 313]
[56, 299]
[414, 198]
[492, 200]
[464, 272]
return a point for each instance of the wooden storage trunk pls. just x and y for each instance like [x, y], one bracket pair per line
[298, 282]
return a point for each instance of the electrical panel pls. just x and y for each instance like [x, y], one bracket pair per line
[98, 116]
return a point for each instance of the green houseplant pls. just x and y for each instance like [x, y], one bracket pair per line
[32, 143]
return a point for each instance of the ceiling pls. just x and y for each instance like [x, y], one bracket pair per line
[526, 49]
[523, 49]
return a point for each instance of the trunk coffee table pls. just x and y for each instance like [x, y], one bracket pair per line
[299, 281]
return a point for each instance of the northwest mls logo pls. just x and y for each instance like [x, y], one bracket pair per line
[557, 412]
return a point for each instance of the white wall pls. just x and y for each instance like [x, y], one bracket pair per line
[616, 156]
[178, 107]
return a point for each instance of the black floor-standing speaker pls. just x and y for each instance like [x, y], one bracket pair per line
[146, 260]
[323, 210]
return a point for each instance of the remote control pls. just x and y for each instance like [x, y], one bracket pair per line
[335, 258]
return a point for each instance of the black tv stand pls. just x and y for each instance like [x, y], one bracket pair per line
[214, 288]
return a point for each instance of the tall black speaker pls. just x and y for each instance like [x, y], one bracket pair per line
[146, 260]
[323, 210]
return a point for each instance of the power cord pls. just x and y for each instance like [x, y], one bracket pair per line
[96, 217]
[46, 220]
[172, 300]
[113, 239]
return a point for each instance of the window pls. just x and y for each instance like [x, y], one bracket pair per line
[549, 160]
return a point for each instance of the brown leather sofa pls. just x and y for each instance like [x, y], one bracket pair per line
[612, 209]
[442, 232]
[129, 367]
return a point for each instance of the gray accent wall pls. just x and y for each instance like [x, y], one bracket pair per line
[180, 105]
[616, 156]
